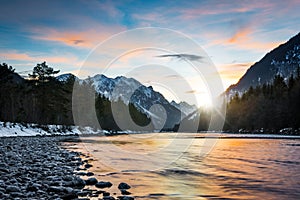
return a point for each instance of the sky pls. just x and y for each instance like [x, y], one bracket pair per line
[66, 33]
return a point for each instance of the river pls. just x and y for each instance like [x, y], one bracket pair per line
[197, 166]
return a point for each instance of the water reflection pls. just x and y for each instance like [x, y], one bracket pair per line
[236, 168]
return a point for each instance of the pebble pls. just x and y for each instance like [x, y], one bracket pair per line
[103, 184]
[106, 194]
[125, 192]
[124, 186]
[125, 198]
[12, 188]
[88, 166]
[108, 198]
[89, 174]
[91, 181]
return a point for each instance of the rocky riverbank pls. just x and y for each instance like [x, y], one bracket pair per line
[38, 168]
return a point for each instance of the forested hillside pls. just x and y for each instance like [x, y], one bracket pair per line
[43, 99]
[268, 108]
[283, 60]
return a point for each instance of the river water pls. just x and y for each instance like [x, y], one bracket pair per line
[197, 166]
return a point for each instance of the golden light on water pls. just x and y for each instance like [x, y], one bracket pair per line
[232, 169]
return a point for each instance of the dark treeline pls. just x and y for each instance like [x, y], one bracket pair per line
[42, 99]
[270, 106]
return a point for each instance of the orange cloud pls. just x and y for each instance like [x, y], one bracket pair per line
[242, 38]
[223, 8]
[84, 39]
[240, 35]
[67, 38]
[234, 68]
[15, 56]
[62, 60]
[231, 73]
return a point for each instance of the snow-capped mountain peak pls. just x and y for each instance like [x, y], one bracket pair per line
[184, 107]
[129, 90]
[64, 77]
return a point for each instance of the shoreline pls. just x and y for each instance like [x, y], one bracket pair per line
[8, 129]
[198, 135]
[42, 168]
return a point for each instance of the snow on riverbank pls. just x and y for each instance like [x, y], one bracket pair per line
[8, 129]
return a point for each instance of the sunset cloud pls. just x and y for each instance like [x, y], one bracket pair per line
[31, 59]
[16, 56]
[27, 57]
[243, 39]
[240, 36]
[231, 72]
[83, 39]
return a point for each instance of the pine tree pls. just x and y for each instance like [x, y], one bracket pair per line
[42, 72]
[5, 72]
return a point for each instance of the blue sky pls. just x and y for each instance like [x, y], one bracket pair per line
[234, 34]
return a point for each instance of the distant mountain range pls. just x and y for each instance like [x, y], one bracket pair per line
[143, 98]
[283, 60]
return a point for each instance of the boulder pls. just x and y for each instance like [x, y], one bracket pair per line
[103, 184]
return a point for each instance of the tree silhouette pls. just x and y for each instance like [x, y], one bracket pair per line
[42, 72]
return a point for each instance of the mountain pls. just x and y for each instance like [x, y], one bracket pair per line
[283, 60]
[145, 99]
[184, 107]
[65, 77]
